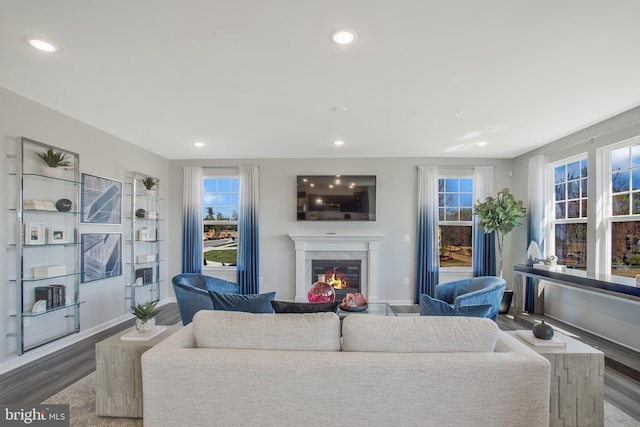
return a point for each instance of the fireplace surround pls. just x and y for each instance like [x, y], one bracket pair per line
[337, 246]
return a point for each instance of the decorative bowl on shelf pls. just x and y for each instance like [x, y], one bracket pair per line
[64, 205]
[354, 309]
[321, 292]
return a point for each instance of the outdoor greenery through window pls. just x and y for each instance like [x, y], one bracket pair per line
[570, 213]
[455, 209]
[625, 210]
[220, 219]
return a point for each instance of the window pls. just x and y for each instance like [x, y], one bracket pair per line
[220, 219]
[455, 210]
[569, 223]
[624, 210]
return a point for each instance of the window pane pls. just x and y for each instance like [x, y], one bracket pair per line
[560, 190]
[573, 209]
[635, 179]
[209, 185]
[466, 200]
[222, 199]
[625, 248]
[451, 185]
[466, 214]
[466, 185]
[224, 185]
[220, 245]
[561, 212]
[455, 246]
[560, 174]
[573, 171]
[585, 188]
[571, 245]
[620, 181]
[620, 204]
[441, 199]
[452, 200]
[635, 205]
[441, 214]
[234, 185]
[441, 185]
[573, 189]
[620, 159]
[233, 200]
[452, 215]
[583, 168]
[210, 213]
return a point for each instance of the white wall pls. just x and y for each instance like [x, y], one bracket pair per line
[100, 154]
[396, 214]
[613, 318]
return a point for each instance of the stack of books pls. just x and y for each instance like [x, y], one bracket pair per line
[54, 295]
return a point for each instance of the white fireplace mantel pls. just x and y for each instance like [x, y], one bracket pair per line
[340, 246]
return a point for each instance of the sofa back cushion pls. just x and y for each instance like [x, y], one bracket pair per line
[416, 334]
[232, 329]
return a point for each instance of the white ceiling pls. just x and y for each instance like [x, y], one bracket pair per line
[257, 78]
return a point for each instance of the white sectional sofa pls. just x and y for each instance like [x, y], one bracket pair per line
[241, 369]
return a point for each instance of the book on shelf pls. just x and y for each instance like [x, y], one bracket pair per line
[54, 295]
[146, 274]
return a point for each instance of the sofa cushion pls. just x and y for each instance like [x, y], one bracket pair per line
[304, 307]
[435, 307]
[418, 334]
[253, 303]
[230, 329]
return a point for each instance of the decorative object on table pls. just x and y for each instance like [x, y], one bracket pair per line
[533, 253]
[101, 256]
[55, 161]
[39, 306]
[500, 214]
[44, 272]
[549, 263]
[101, 201]
[64, 205]
[542, 330]
[140, 213]
[321, 292]
[354, 302]
[37, 205]
[57, 235]
[49, 206]
[34, 233]
[145, 316]
[538, 342]
[149, 183]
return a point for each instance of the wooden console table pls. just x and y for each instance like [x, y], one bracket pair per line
[578, 279]
[119, 374]
[577, 382]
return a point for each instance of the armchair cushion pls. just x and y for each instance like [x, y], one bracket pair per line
[254, 303]
[473, 291]
[435, 307]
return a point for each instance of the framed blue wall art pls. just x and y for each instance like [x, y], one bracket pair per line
[101, 200]
[101, 256]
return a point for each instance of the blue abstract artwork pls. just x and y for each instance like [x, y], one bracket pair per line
[101, 256]
[101, 200]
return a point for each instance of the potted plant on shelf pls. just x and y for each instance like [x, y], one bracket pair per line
[145, 316]
[54, 161]
[500, 214]
[149, 183]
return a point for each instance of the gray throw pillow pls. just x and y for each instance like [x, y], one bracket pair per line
[304, 307]
[253, 303]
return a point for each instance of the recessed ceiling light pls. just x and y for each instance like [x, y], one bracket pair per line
[338, 142]
[339, 109]
[344, 36]
[42, 44]
[198, 144]
[481, 143]
[457, 113]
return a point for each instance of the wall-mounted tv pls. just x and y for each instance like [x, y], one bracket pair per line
[336, 198]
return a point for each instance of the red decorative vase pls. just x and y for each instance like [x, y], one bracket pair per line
[321, 292]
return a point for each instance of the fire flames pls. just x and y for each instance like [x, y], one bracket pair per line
[336, 282]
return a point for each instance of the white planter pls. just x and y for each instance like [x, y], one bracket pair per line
[53, 172]
[149, 193]
[144, 326]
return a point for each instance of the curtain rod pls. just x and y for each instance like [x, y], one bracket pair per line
[593, 137]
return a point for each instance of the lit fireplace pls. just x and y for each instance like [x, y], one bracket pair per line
[343, 275]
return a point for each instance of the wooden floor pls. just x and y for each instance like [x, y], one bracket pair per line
[36, 381]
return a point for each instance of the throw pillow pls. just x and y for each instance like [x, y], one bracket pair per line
[435, 307]
[304, 307]
[253, 303]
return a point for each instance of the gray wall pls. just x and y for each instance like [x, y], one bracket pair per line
[100, 154]
[613, 318]
[396, 214]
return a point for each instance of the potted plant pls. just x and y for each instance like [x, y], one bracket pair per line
[54, 160]
[149, 183]
[145, 316]
[500, 214]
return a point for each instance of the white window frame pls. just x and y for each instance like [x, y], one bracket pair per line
[459, 223]
[605, 218]
[209, 174]
[550, 245]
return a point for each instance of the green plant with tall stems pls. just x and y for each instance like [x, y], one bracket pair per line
[54, 159]
[148, 182]
[500, 214]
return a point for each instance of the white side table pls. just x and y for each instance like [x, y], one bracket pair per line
[119, 374]
[577, 382]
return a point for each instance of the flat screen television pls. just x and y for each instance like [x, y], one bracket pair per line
[336, 198]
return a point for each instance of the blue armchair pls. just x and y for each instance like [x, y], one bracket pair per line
[192, 293]
[478, 291]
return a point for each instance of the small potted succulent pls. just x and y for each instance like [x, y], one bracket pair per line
[145, 316]
[149, 183]
[55, 160]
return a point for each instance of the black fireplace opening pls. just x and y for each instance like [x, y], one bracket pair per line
[344, 275]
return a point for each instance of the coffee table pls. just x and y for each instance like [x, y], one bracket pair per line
[577, 382]
[119, 373]
[374, 308]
